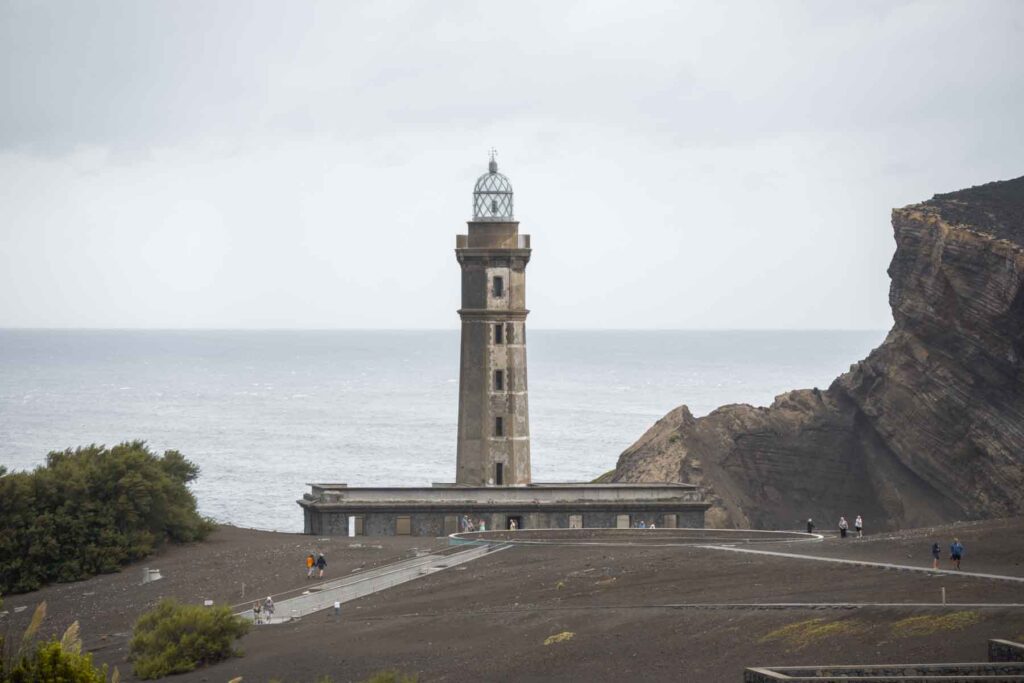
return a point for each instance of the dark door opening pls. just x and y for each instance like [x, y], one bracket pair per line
[499, 474]
[516, 519]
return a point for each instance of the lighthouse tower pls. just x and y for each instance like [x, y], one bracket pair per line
[494, 425]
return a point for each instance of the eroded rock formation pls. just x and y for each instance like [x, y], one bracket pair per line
[928, 428]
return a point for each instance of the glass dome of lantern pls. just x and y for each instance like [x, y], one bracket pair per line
[492, 195]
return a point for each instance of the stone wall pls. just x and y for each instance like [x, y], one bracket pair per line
[432, 522]
[963, 673]
[995, 672]
[1005, 651]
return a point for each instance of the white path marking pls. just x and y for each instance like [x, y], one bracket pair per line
[864, 563]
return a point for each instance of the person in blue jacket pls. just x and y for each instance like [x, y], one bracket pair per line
[956, 551]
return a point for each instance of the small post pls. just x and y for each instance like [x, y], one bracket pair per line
[943, 595]
[243, 590]
[337, 610]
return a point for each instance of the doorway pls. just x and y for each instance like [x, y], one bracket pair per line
[514, 518]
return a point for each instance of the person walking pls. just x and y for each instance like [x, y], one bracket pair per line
[956, 551]
[310, 564]
[268, 609]
[483, 525]
[843, 527]
[858, 526]
[321, 564]
[810, 525]
[935, 555]
[256, 613]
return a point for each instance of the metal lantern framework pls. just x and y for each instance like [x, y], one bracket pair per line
[492, 195]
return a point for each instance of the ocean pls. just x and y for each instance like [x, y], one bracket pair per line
[265, 412]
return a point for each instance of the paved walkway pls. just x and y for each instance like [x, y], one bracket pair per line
[323, 596]
[864, 563]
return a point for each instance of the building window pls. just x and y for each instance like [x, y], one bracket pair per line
[499, 380]
[403, 525]
[499, 473]
[499, 334]
[499, 426]
[575, 521]
[498, 286]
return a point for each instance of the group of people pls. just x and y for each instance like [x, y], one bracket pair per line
[645, 525]
[262, 613]
[314, 563]
[956, 553]
[956, 548]
[469, 525]
[844, 526]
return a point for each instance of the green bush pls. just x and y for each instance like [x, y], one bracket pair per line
[54, 661]
[91, 510]
[51, 662]
[174, 638]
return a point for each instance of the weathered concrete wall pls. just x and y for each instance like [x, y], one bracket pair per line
[565, 494]
[1005, 651]
[905, 673]
[431, 522]
[493, 249]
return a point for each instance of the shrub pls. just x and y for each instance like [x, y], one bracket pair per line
[51, 662]
[92, 510]
[58, 661]
[175, 638]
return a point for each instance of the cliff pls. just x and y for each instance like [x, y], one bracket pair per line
[928, 428]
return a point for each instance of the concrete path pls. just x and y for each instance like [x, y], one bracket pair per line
[864, 563]
[323, 595]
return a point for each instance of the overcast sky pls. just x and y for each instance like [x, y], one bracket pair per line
[678, 165]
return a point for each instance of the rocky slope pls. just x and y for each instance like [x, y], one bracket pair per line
[928, 428]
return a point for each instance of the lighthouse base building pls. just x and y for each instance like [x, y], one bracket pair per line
[493, 486]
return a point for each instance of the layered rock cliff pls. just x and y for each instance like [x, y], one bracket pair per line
[928, 428]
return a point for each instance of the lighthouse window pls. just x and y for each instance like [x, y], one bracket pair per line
[499, 474]
[499, 380]
[499, 426]
[498, 286]
[499, 334]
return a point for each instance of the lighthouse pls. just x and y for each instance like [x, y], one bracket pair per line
[494, 425]
[492, 472]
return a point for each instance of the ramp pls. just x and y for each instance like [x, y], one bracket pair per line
[323, 596]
